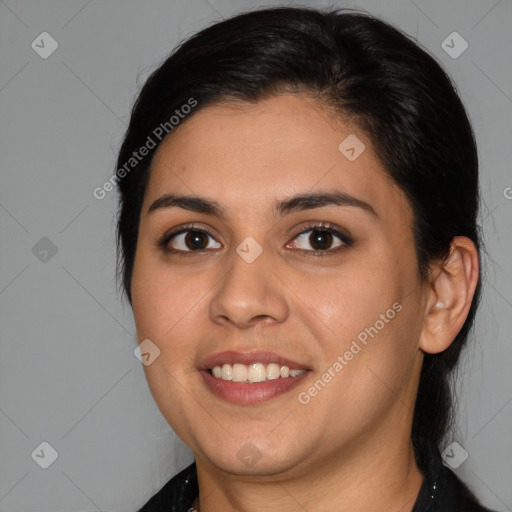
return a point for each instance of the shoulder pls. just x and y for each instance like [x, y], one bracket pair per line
[176, 495]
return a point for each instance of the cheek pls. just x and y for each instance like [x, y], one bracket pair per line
[352, 299]
[164, 312]
[367, 330]
[169, 309]
[361, 381]
[160, 297]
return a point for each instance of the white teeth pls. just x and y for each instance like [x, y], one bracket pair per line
[226, 372]
[273, 371]
[256, 372]
[239, 372]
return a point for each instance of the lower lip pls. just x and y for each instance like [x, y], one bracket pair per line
[250, 392]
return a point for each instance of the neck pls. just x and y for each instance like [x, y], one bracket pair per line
[382, 476]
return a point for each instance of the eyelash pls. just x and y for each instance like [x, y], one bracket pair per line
[163, 242]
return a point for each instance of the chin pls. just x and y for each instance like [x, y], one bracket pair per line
[251, 451]
[251, 459]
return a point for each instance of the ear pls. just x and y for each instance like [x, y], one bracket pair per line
[450, 293]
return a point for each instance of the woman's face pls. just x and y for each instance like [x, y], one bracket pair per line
[262, 282]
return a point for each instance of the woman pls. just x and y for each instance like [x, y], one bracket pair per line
[298, 242]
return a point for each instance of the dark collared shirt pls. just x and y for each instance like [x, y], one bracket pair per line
[441, 491]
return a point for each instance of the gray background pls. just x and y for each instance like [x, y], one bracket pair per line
[68, 375]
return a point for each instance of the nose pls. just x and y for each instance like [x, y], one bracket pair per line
[249, 294]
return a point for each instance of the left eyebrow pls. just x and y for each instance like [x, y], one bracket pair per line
[302, 202]
[296, 203]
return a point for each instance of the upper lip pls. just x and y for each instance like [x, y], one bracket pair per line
[248, 357]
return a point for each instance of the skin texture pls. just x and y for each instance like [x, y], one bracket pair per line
[349, 448]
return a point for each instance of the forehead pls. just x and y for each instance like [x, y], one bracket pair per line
[247, 154]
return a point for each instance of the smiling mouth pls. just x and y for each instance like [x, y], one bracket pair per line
[250, 377]
[253, 373]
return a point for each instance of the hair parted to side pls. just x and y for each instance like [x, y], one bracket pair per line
[372, 74]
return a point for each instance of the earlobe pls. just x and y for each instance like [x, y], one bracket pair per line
[450, 294]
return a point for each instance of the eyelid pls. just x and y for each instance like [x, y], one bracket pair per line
[324, 226]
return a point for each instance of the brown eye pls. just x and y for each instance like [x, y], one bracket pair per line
[320, 240]
[196, 240]
[189, 240]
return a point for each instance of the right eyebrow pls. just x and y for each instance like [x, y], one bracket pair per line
[191, 203]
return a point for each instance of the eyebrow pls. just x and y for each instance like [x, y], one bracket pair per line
[296, 203]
